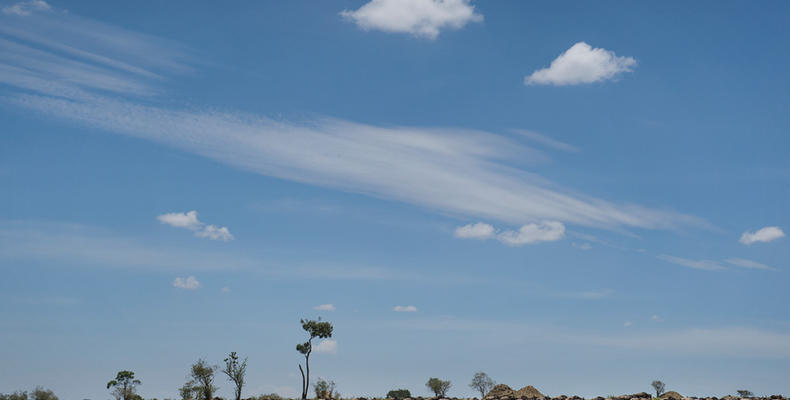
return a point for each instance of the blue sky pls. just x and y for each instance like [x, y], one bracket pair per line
[583, 197]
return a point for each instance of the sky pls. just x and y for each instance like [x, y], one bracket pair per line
[579, 196]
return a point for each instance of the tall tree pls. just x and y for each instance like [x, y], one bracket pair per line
[482, 383]
[235, 371]
[659, 387]
[124, 385]
[315, 329]
[203, 380]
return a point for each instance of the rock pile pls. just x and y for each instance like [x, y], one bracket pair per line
[528, 392]
[498, 392]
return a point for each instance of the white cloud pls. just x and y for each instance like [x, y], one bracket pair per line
[189, 282]
[190, 221]
[187, 220]
[479, 230]
[325, 307]
[706, 265]
[767, 234]
[404, 309]
[421, 18]
[214, 233]
[326, 346]
[581, 64]
[24, 8]
[547, 231]
[744, 263]
[627, 324]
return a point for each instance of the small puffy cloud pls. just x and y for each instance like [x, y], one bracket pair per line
[421, 18]
[744, 263]
[546, 231]
[405, 309]
[225, 289]
[325, 307]
[214, 233]
[24, 8]
[326, 346]
[479, 230]
[767, 234]
[189, 282]
[581, 64]
[706, 265]
[627, 324]
[189, 220]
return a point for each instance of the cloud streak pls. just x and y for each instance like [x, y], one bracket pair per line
[457, 172]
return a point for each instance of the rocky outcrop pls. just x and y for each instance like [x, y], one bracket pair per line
[528, 392]
[672, 395]
[499, 391]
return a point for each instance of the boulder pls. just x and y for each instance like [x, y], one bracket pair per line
[672, 395]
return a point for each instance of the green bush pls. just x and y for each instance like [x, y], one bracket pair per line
[398, 394]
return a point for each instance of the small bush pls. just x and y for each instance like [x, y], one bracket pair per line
[398, 394]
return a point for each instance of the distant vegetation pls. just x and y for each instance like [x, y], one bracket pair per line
[482, 383]
[398, 394]
[659, 387]
[438, 386]
[200, 385]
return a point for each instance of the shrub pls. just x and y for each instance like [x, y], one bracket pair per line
[438, 386]
[398, 394]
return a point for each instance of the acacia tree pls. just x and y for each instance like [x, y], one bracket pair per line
[482, 383]
[124, 385]
[315, 329]
[202, 383]
[235, 371]
[659, 387]
[438, 386]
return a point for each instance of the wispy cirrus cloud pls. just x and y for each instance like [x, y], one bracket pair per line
[404, 309]
[453, 171]
[27, 7]
[705, 265]
[420, 18]
[749, 264]
[713, 265]
[581, 64]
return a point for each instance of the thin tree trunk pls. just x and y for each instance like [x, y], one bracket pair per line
[307, 366]
[304, 394]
